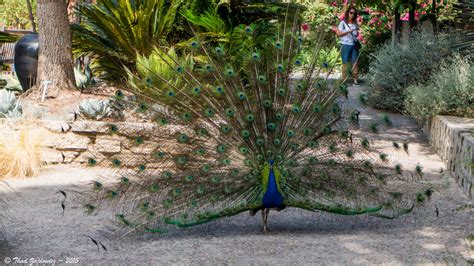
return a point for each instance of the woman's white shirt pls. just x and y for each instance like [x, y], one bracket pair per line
[347, 39]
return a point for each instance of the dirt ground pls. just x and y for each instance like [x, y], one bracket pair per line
[34, 226]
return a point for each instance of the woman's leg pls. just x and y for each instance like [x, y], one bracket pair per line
[345, 56]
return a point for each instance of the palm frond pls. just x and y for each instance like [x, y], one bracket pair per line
[114, 32]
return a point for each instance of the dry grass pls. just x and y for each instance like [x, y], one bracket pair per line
[20, 154]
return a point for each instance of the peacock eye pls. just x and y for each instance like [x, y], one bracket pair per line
[300, 39]
[280, 68]
[245, 133]
[194, 44]
[267, 103]
[208, 68]
[249, 117]
[219, 50]
[279, 116]
[296, 108]
[278, 45]
[271, 126]
[119, 94]
[197, 90]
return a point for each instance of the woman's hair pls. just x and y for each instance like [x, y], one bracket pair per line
[346, 15]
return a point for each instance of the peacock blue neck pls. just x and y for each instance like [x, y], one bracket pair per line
[272, 197]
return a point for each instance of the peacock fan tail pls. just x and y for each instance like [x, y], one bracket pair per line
[235, 132]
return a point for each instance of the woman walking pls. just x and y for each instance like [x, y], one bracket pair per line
[348, 32]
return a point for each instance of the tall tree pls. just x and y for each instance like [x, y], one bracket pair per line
[55, 62]
[30, 13]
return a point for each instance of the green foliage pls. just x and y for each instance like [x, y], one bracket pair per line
[321, 16]
[113, 32]
[375, 30]
[465, 22]
[210, 24]
[152, 70]
[237, 41]
[396, 67]
[5, 37]
[328, 58]
[449, 92]
[14, 13]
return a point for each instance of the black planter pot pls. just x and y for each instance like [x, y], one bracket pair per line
[26, 60]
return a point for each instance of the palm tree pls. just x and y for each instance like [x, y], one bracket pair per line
[114, 32]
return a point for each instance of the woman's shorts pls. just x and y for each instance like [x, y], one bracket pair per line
[349, 52]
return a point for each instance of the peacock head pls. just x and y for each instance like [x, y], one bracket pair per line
[271, 162]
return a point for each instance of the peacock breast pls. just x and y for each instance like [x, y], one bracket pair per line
[272, 197]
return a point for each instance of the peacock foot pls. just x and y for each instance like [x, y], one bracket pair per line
[265, 230]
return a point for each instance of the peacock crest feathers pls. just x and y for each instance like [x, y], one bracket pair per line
[221, 112]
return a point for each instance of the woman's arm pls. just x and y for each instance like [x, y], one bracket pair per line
[342, 33]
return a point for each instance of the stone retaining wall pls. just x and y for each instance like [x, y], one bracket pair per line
[453, 140]
[79, 141]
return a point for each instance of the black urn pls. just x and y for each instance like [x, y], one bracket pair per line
[26, 60]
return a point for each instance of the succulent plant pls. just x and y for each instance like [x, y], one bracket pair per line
[84, 79]
[10, 107]
[94, 109]
[11, 83]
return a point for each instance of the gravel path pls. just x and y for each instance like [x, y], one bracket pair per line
[34, 227]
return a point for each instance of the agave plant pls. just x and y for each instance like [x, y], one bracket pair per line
[94, 109]
[10, 107]
[113, 32]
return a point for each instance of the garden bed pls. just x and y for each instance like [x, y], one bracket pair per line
[452, 138]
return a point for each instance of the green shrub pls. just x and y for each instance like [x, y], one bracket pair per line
[159, 69]
[396, 67]
[449, 92]
[328, 58]
[113, 32]
[6, 37]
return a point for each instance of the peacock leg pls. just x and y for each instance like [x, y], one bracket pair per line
[265, 213]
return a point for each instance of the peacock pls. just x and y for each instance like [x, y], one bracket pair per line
[236, 130]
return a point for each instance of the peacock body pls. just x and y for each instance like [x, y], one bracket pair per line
[235, 132]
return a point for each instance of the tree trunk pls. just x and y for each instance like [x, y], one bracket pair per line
[396, 25]
[55, 62]
[32, 18]
[412, 14]
[435, 17]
